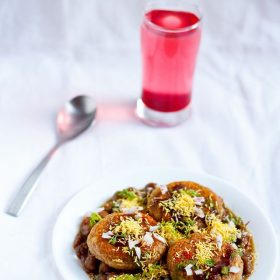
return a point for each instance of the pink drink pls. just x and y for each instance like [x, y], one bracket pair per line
[170, 41]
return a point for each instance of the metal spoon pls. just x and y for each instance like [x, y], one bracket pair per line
[76, 116]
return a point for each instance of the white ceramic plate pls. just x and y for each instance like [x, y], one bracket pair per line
[91, 198]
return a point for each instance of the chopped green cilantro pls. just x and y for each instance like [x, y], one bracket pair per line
[127, 277]
[94, 218]
[187, 226]
[182, 265]
[210, 262]
[126, 194]
[225, 270]
[190, 192]
[237, 252]
[113, 240]
[154, 271]
[116, 206]
[240, 252]
[237, 220]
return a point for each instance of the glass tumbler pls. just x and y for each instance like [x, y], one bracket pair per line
[170, 38]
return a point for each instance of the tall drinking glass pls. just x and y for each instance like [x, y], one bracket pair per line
[170, 37]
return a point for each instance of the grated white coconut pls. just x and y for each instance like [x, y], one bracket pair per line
[188, 269]
[234, 269]
[199, 200]
[148, 238]
[132, 210]
[163, 189]
[132, 243]
[138, 252]
[219, 240]
[107, 235]
[199, 212]
[198, 272]
[160, 238]
[153, 228]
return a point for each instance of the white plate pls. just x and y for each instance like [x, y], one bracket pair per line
[91, 198]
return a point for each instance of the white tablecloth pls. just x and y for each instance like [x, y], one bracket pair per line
[53, 50]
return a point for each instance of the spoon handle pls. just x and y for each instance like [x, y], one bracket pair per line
[29, 185]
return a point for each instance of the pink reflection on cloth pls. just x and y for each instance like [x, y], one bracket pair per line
[119, 111]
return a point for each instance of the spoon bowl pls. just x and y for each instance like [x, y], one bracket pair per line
[75, 117]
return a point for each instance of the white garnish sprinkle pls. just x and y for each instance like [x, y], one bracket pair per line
[219, 240]
[148, 239]
[238, 235]
[234, 246]
[138, 252]
[163, 189]
[188, 269]
[160, 238]
[199, 212]
[132, 243]
[234, 269]
[198, 272]
[231, 224]
[138, 215]
[131, 210]
[107, 235]
[100, 209]
[199, 200]
[153, 228]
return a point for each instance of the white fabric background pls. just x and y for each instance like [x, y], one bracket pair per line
[53, 50]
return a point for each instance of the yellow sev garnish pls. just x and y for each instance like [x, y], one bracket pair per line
[129, 226]
[125, 203]
[181, 203]
[204, 252]
[217, 227]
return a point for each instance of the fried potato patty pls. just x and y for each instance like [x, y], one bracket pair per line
[199, 256]
[210, 202]
[126, 241]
